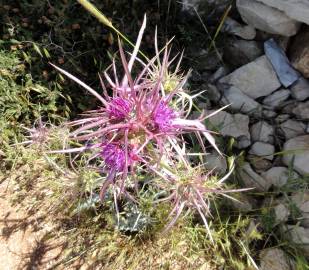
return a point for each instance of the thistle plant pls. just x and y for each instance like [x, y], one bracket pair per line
[139, 129]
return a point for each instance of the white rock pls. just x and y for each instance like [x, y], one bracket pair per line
[301, 200]
[235, 28]
[278, 176]
[266, 18]
[292, 128]
[300, 90]
[302, 110]
[262, 132]
[231, 125]
[277, 98]
[274, 259]
[262, 149]
[300, 236]
[241, 102]
[255, 79]
[295, 9]
[216, 162]
[281, 213]
[251, 179]
[297, 150]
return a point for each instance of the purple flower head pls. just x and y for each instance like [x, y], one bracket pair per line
[114, 156]
[163, 116]
[119, 108]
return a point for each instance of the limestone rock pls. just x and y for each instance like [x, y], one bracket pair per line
[262, 132]
[274, 259]
[297, 150]
[292, 128]
[235, 28]
[302, 110]
[301, 200]
[259, 164]
[300, 236]
[281, 213]
[262, 149]
[300, 90]
[255, 79]
[278, 176]
[267, 18]
[295, 9]
[251, 179]
[240, 102]
[276, 99]
[236, 126]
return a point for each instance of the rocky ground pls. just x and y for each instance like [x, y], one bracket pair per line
[264, 78]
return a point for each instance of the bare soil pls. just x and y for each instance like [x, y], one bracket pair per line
[25, 241]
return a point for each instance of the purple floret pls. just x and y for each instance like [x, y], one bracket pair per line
[114, 156]
[163, 117]
[119, 108]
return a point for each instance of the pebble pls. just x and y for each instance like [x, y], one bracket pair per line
[262, 149]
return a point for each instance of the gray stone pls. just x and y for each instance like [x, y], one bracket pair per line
[289, 106]
[297, 150]
[300, 90]
[281, 213]
[251, 179]
[302, 110]
[240, 102]
[274, 259]
[266, 18]
[276, 99]
[255, 79]
[292, 128]
[243, 142]
[220, 72]
[301, 200]
[231, 125]
[300, 236]
[295, 9]
[216, 163]
[259, 164]
[262, 149]
[235, 28]
[241, 52]
[278, 176]
[262, 132]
